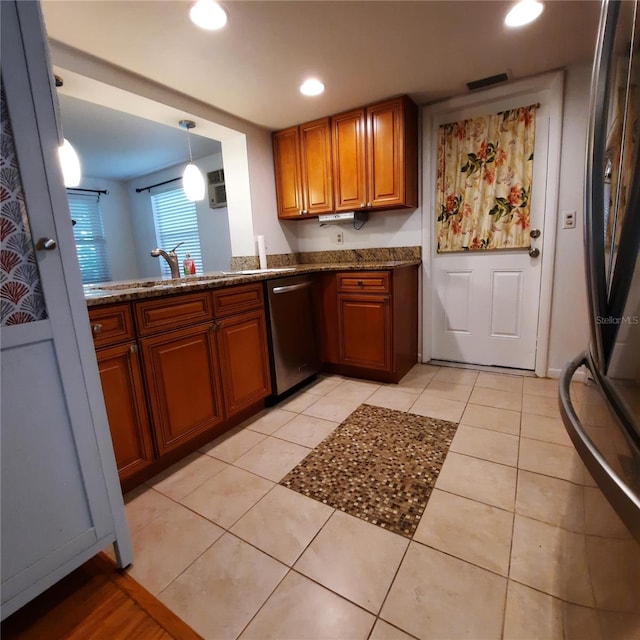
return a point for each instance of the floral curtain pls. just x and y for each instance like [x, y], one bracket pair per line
[485, 168]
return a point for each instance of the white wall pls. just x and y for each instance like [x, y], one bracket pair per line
[95, 80]
[383, 229]
[569, 312]
[116, 218]
[213, 224]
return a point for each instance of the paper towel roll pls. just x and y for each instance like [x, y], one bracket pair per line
[262, 252]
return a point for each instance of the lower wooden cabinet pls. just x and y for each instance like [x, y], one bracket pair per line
[202, 366]
[183, 384]
[244, 360]
[368, 322]
[124, 398]
[203, 360]
[364, 329]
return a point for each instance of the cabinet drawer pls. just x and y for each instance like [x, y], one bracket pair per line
[110, 325]
[153, 316]
[369, 281]
[237, 299]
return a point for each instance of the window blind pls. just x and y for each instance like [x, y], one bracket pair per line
[176, 221]
[91, 243]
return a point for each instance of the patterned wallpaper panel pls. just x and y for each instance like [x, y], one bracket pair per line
[21, 298]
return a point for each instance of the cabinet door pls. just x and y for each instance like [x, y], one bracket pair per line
[183, 384]
[244, 360]
[315, 157]
[349, 161]
[365, 330]
[121, 379]
[286, 158]
[385, 154]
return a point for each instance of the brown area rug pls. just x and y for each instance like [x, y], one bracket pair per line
[379, 465]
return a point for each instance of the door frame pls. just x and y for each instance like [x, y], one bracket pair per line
[549, 87]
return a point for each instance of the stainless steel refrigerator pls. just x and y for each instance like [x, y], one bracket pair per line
[602, 417]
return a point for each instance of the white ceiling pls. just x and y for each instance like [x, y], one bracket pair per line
[364, 51]
[119, 146]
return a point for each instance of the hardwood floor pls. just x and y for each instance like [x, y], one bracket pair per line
[94, 602]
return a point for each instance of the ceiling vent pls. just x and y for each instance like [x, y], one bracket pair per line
[487, 82]
[217, 190]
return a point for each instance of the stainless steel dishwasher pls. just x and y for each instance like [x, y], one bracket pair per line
[294, 354]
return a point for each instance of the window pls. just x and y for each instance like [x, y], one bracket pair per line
[176, 221]
[91, 243]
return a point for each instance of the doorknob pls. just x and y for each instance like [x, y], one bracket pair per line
[534, 233]
[534, 252]
[46, 244]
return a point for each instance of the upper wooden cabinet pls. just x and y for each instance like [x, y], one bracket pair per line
[376, 156]
[302, 162]
[362, 159]
[286, 160]
[350, 160]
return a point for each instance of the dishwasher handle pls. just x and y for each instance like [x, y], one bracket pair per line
[292, 287]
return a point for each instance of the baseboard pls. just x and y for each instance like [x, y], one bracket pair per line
[581, 375]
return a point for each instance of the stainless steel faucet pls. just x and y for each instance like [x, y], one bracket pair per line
[170, 257]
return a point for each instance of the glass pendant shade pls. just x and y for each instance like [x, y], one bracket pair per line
[193, 183]
[70, 164]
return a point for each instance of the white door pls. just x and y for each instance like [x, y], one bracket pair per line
[61, 500]
[485, 306]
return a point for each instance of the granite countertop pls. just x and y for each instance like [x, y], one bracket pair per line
[126, 291]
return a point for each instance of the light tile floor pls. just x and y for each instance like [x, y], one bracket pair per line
[516, 541]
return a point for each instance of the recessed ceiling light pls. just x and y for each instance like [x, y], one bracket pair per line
[208, 14]
[311, 87]
[524, 12]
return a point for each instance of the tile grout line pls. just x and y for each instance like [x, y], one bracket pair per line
[513, 527]
[291, 567]
[386, 595]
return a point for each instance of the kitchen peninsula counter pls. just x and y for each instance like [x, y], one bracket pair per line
[183, 360]
[127, 291]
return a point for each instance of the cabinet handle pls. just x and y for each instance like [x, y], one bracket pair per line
[215, 325]
[360, 283]
[362, 205]
[369, 204]
[133, 348]
[97, 329]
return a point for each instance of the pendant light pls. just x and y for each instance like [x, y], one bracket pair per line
[70, 164]
[69, 160]
[192, 180]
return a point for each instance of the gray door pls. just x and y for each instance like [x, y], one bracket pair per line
[61, 500]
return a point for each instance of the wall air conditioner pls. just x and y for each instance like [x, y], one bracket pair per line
[217, 190]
